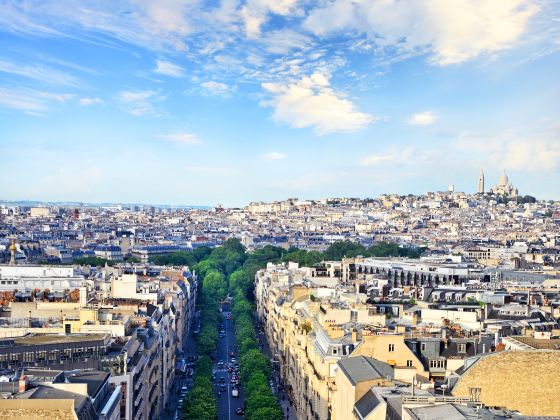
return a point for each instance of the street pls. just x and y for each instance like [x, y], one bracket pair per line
[227, 405]
[172, 410]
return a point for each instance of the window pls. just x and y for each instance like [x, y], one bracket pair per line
[391, 347]
[409, 363]
[462, 347]
[423, 347]
[437, 364]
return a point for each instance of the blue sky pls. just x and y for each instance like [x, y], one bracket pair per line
[230, 101]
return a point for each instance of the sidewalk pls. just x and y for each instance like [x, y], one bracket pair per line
[283, 397]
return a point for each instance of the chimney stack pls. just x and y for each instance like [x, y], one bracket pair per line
[22, 384]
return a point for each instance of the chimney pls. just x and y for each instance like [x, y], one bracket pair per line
[22, 384]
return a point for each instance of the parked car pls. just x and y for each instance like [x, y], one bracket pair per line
[234, 392]
[240, 411]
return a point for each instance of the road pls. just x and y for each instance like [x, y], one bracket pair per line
[227, 405]
[172, 411]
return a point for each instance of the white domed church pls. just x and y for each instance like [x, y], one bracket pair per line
[504, 187]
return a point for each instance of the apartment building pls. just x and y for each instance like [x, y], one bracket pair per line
[134, 339]
[311, 328]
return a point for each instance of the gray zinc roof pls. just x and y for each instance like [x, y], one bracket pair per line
[364, 368]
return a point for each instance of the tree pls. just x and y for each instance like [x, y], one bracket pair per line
[93, 261]
[341, 249]
[234, 245]
[214, 285]
[205, 266]
[254, 361]
[270, 413]
[526, 199]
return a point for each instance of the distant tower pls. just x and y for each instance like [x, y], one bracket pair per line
[481, 182]
[13, 253]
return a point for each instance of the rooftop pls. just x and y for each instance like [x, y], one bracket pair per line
[30, 340]
[363, 368]
[94, 380]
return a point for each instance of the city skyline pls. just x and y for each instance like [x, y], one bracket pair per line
[492, 191]
[196, 103]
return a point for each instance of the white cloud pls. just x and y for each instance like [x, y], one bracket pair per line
[216, 88]
[516, 151]
[311, 102]
[285, 40]
[157, 25]
[274, 156]
[14, 99]
[452, 31]
[180, 138]
[423, 118]
[169, 69]
[30, 100]
[408, 155]
[532, 155]
[40, 73]
[139, 103]
[377, 158]
[90, 101]
[255, 13]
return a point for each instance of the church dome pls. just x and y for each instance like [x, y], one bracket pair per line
[504, 179]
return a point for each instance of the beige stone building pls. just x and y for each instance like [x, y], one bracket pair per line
[311, 328]
[526, 381]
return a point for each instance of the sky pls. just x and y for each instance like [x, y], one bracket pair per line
[232, 101]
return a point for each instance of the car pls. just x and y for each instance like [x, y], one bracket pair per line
[222, 388]
[240, 411]
[220, 365]
[184, 388]
[233, 360]
[222, 380]
[234, 392]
